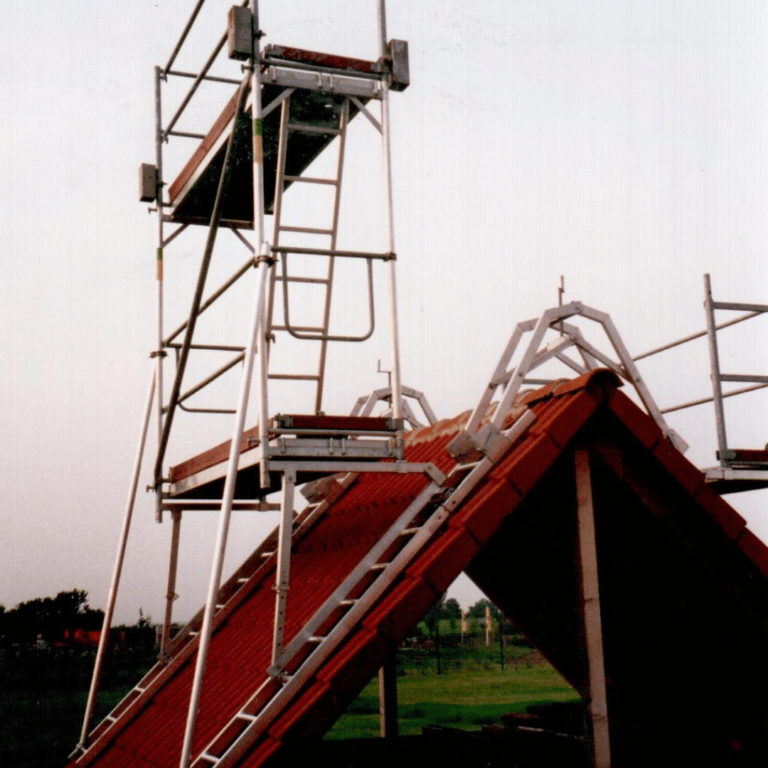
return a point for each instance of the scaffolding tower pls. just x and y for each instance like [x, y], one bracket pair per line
[291, 106]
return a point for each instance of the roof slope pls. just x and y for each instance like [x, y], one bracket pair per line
[684, 589]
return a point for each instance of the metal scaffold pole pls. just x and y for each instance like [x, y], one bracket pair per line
[397, 408]
[159, 352]
[255, 345]
[118, 568]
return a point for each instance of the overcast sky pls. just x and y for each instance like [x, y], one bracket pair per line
[620, 144]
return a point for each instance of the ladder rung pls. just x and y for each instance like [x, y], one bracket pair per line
[409, 531]
[246, 716]
[242, 580]
[310, 280]
[304, 128]
[307, 230]
[315, 639]
[379, 566]
[111, 717]
[347, 603]
[294, 377]
[265, 555]
[139, 689]
[219, 606]
[304, 328]
[465, 467]
[311, 180]
[300, 251]
[194, 634]
[210, 758]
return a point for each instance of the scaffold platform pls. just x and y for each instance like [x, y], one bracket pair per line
[317, 99]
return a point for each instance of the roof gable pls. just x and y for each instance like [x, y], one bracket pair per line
[667, 548]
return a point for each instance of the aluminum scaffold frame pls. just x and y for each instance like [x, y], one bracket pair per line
[280, 449]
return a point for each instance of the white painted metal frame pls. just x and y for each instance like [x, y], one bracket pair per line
[259, 342]
[366, 404]
[256, 341]
[118, 567]
[508, 378]
[718, 377]
[433, 494]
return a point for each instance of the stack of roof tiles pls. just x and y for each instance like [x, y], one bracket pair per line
[684, 592]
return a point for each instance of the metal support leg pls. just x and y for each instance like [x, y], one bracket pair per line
[397, 399]
[159, 276]
[225, 516]
[593, 632]
[170, 595]
[118, 569]
[282, 580]
[717, 388]
[388, 697]
[257, 333]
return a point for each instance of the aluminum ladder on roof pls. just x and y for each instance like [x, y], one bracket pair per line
[293, 666]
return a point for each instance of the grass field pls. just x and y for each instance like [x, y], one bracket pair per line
[466, 699]
[42, 697]
[42, 702]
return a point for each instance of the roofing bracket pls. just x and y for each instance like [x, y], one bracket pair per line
[540, 349]
[365, 404]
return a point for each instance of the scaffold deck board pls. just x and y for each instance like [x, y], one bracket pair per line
[192, 193]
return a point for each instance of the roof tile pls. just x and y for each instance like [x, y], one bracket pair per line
[490, 505]
[726, 517]
[754, 548]
[639, 423]
[437, 565]
[399, 611]
[523, 467]
[310, 698]
[686, 474]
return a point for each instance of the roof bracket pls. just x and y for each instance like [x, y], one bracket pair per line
[492, 442]
[544, 347]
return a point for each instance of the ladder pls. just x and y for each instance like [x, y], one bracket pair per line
[326, 253]
[293, 665]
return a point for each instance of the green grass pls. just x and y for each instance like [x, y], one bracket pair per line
[42, 696]
[40, 728]
[465, 700]
[42, 703]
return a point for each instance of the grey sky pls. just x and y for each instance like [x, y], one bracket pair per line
[619, 143]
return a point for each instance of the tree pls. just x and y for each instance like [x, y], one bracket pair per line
[51, 617]
[452, 609]
[435, 614]
[477, 610]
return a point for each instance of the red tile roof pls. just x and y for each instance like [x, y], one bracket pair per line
[673, 557]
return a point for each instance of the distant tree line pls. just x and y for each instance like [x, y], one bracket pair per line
[50, 619]
[446, 615]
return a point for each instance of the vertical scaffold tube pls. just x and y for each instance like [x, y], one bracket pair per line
[397, 409]
[170, 593]
[255, 343]
[160, 353]
[118, 569]
[717, 387]
[262, 248]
